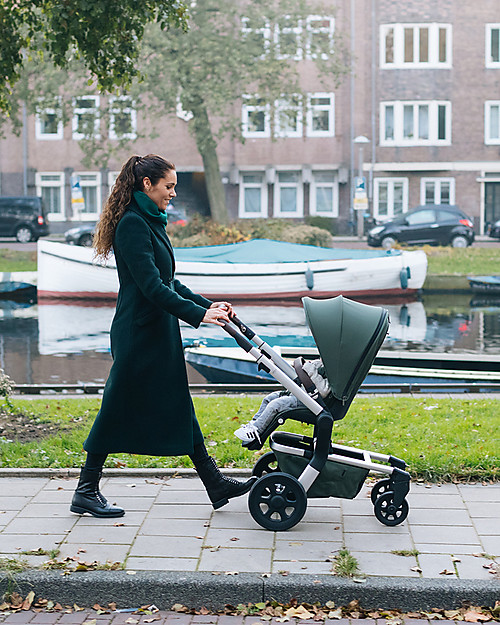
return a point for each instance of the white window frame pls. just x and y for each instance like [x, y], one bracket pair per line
[247, 109]
[130, 110]
[488, 52]
[399, 46]
[390, 196]
[310, 132]
[313, 187]
[242, 214]
[78, 216]
[112, 176]
[488, 140]
[43, 136]
[278, 186]
[312, 30]
[264, 30]
[437, 189]
[399, 138]
[40, 183]
[80, 111]
[297, 30]
[284, 104]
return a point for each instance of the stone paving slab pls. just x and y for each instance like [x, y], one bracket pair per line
[170, 526]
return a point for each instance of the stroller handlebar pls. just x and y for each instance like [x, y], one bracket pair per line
[242, 341]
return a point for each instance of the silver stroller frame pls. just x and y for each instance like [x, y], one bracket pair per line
[278, 499]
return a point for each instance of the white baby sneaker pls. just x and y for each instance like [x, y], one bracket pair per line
[247, 433]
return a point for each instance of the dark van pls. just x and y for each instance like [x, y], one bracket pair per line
[23, 218]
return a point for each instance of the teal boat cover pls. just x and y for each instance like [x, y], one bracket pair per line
[265, 251]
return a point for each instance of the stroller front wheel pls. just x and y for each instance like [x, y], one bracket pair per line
[277, 501]
[387, 513]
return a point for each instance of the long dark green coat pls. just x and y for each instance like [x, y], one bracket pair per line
[146, 406]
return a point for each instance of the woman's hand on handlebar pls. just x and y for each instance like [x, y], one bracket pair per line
[226, 305]
[216, 315]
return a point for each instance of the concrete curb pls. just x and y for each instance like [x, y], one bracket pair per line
[162, 473]
[195, 590]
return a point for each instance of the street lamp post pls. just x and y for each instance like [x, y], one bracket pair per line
[360, 199]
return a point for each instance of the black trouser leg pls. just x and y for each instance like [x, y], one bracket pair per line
[87, 496]
[220, 488]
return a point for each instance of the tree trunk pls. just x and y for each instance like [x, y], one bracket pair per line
[207, 147]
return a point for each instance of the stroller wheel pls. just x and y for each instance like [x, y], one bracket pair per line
[266, 464]
[387, 513]
[382, 486]
[277, 501]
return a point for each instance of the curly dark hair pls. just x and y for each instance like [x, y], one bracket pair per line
[130, 179]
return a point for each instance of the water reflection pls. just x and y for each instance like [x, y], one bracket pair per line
[69, 342]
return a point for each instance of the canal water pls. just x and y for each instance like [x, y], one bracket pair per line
[69, 343]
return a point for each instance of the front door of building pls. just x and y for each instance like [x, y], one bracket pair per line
[491, 203]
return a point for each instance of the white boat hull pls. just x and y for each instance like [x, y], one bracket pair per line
[69, 271]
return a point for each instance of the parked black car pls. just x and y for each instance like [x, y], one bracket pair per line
[494, 230]
[82, 235]
[434, 224]
[23, 218]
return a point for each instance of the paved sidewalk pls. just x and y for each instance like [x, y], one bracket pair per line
[171, 530]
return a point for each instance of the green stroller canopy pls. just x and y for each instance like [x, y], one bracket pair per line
[348, 336]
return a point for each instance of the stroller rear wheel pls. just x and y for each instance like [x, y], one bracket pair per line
[266, 464]
[277, 501]
[381, 487]
[387, 513]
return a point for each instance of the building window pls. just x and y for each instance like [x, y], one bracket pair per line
[86, 117]
[90, 184]
[123, 119]
[415, 123]
[288, 195]
[437, 191]
[50, 186]
[253, 195]
[255, 118]
[320, 115]
[257, 33]
[492, 45]
[492, 123]
[390, 197]
[48, 125]
[288, 117]
[324, 194]
[319, 36]
[287, 38]
[415, 45]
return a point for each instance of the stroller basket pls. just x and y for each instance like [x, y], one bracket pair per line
[335, 480]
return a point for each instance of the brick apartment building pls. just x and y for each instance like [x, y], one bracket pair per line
[424, 90]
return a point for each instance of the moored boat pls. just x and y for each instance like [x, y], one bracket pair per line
[253, 270]
[489, 285]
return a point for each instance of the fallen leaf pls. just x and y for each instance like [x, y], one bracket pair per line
[330, 605]
[452, 614]
[131, 572]
[77, 608]
[446, 572]
[132, 621]
[178, 607]
[92, 621]
[456, 560]
[28, 601]
[118, 524]
[150, 620]
[417, 569]
[231, 572]
[335, 614]
[476, 617]
[234, 538]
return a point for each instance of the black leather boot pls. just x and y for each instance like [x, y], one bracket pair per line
[220, 488]
[88, 498]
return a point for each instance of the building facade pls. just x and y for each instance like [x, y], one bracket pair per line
[423, 95]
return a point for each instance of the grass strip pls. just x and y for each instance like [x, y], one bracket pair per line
[441, 439]
[16, 260]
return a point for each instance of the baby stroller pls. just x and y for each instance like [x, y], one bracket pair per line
[348, 336]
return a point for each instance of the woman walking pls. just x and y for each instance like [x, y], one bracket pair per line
[146, 406]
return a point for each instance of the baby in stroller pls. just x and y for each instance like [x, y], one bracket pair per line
[277, 401]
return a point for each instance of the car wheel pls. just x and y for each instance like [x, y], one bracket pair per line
[24, 234]
[85, 240]
[459, 241]
[388, 242]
